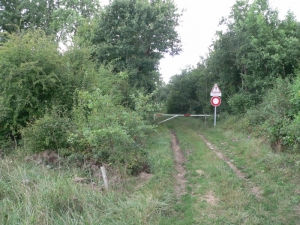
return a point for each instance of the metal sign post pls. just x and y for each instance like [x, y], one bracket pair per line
[215, 116]
[215, 100]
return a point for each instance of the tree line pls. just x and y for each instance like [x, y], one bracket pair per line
[255, 62]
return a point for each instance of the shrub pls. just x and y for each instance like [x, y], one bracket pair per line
[110, 132]
[48, 132]
[30, 67]
[239, 103]
[276, 117]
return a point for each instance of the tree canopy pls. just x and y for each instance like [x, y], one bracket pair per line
[255, 62]
[59, 17]
[255, 49]
[133, 35]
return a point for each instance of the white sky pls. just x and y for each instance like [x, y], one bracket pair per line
[199, 24]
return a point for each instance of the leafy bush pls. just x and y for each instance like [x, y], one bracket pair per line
[48, 132]
[292, 128]
[144, 105]
[35, 76]
[109, 132]
[30, 66]
[277, 116]
[239, 103]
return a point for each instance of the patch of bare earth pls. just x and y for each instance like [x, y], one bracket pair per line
[254, 189]
[210, 198]
[180, 187]
[200, 172]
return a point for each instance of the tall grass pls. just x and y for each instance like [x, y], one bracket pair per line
[34, 194]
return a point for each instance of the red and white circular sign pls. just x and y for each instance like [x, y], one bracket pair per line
[215, 101]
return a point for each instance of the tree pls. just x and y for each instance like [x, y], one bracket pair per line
[24, 14]
[189, 92]
[10, 15]
[71, 14]
[253, 52]
[133, 35]
[59, 17]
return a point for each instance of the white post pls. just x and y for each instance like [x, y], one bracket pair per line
[103, 171]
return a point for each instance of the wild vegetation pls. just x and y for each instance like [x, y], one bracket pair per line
[34, 193]
[255, 62]
[78, 88]
[93, 96]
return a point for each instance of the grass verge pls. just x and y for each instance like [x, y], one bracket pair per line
[217, 196]
[34, 194]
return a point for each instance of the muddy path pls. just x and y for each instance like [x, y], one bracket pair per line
[180, 185]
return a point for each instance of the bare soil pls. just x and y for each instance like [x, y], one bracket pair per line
[211, 198]
[180, 186]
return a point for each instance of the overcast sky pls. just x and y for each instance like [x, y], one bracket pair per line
[199, 24]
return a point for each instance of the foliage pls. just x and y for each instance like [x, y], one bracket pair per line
[292, 128]
[80, 73]
[253, 52]
[145, 104]
[240, 102]
[35, 76]
[111, 132]
[189, 92]
[60, 18]
[71, 14]
[49, 132]
[275, 117]
[133, 35]
[30, 70]
[277, 110]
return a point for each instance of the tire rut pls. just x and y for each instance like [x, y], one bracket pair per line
[180, 186]
[253, 189]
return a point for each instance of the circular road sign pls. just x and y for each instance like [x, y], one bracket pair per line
[215, 101]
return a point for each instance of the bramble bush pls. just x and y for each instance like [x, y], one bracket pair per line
[30, 72]
[49, 132]
[109, 132]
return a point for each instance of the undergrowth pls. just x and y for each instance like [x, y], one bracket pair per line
[33, 193]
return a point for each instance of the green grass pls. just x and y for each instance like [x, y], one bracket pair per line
[34, 194]
[276, 175]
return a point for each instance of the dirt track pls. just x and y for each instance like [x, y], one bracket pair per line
[180, 186]
[254, 189]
